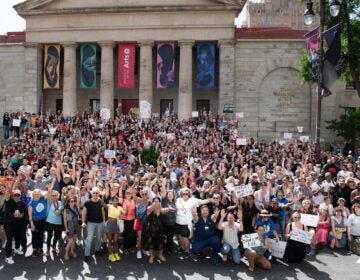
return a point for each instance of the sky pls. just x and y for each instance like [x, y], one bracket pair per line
[11, 21]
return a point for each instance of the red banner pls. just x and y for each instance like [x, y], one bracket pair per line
[126, 65]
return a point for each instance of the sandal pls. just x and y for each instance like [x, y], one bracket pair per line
[66, 257]
[251, 269]
[151, 260]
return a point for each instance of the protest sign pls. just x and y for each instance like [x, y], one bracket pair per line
[16, 122]
[105, 114]
[244, 190]
[241, 142]
[239, 115]
[277, 248]
[304, 138]
[301, 236]
[288, 135]
[309, 220]
[195, 114]
[145, 109]
[250, 240]
[109, 154]
[52, 130]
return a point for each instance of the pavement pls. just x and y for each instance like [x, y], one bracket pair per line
[327, 264]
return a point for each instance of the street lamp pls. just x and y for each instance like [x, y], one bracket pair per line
[309, 15]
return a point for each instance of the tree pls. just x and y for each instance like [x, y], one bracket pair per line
[347, 126]
[149, 156]
[349, 18]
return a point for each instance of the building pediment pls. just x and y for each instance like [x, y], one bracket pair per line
[38, 7]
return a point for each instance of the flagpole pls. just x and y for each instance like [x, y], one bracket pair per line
[320, 82]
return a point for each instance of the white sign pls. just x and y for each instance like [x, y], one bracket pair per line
[241, 142]
[239, 115]
[105, 114]
[52, 130]
[156, 115]
[304, 138]
[277, 248]
[244, 190]
[250, 240]
[195, 114]
[110, 154]
[145, 109]
[171, 136]
[16, 122]
[301, 236]
[288, 135]
[309, 220]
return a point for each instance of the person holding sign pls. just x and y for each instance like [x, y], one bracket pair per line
[295, 251]
[230, 240]
[255, 255]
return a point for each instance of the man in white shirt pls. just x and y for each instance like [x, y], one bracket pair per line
[327, 184]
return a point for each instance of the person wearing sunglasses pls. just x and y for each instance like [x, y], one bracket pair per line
[13, 220]
[71, 223]
[295, 251]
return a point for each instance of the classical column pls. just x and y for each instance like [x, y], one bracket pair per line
[69, 87]
[107, 75]
[185, 80]
[145, 81]
[226, 74]
[31, 97]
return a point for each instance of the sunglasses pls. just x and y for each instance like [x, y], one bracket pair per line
[16, 195]
[144, 194]
[185, 194]
[72, 201]
[297, 217]
[95, 193]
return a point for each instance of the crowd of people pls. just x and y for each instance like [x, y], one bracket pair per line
[88, 179]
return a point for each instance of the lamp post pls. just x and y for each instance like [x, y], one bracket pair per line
[309, 15]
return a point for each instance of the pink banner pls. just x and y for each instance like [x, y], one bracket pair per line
[126, 65]
[165, 76]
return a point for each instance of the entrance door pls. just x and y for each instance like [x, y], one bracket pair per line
[130, 106]
[166, 105]
[203, 105]
[59, 105]
[95, 104]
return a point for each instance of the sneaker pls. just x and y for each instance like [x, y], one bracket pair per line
[311, 253]
[87, 259]
[223, 257]
[186, 255]
[3, 245]
[112, 258]
[147, 253]
[9, 260]
[35, 253]
[117, 257]
[214, 261]
[18, 252]
[195, 257]
[138, 254]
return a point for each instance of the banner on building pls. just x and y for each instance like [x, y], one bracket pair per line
[312, 41]
[126, 65]
[51, 67]
[88, 66]
[165, 76]
[205, 76]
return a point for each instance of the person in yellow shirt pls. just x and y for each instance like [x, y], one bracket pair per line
[111, 228]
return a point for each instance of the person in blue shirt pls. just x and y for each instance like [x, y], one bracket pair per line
[205, 233]
[280, 205]
[37, 215]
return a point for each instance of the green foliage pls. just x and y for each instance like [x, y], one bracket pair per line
[149, 156]
[347, 126]
[305, 73]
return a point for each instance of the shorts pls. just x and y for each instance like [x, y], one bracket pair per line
[182, 230]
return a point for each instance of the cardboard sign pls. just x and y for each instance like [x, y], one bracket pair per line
[52, 130]
[250, 240]
[277, 248]
[241, 142]
[309, 220]
[239, 115]
[244, 190]
[304, 138]
[288, 135]
[195, 114]
[16, 122]
[105, 114]
[301, 236]
[110, 154]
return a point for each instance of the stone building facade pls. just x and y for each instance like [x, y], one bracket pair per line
[256, 68]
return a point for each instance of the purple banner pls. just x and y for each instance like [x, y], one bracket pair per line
[165, 76]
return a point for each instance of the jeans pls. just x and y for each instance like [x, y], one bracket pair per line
[6, 130]
[281, 222]
[93, 228]
[213, 242]
[235, 252]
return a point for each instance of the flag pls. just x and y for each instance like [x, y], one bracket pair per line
[51, 67]
[126, 65]
[88, 66]
[165, 76]
[312, 45]
[332, 59]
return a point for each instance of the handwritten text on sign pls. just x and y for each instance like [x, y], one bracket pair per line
[110, 154]
[244, 190]
[309, 220]
[277, 248]
[301, 236]
[250, 240]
